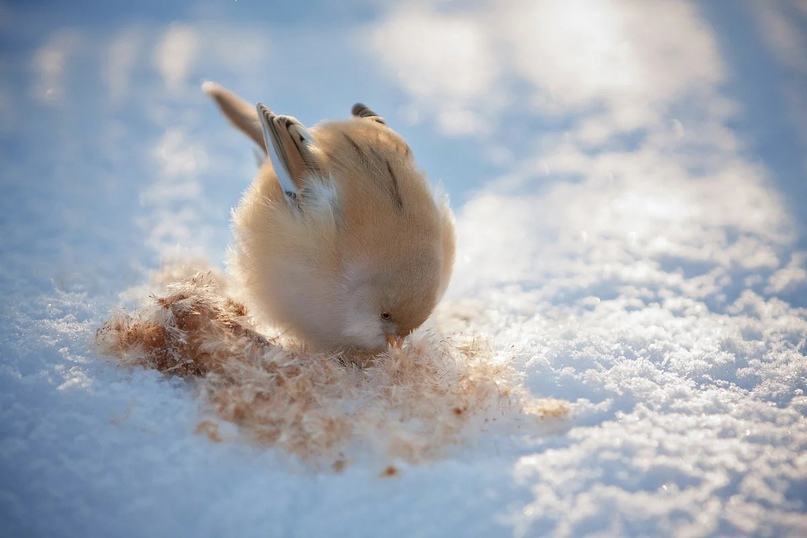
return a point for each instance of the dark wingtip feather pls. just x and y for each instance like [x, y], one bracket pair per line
[362, 111]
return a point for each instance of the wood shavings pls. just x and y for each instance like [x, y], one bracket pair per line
[407, 404]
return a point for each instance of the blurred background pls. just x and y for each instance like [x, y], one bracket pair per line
[671, 122]
[629, 180]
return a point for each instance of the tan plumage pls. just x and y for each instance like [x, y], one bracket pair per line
[353, 250]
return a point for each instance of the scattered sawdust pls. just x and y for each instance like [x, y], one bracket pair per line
[209, 428]
[547, 408]
[389, 471]
[339, 466]
[408, 404]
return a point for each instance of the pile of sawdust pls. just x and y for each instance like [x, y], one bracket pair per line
[410, 404]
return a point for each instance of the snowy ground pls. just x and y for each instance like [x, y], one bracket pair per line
[632, 236]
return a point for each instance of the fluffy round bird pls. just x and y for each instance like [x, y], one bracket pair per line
[339, 240]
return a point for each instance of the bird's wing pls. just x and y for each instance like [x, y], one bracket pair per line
[291, 149]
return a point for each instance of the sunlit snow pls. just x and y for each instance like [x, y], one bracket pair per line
[628, 180]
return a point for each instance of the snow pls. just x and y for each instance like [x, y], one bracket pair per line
[628, 244]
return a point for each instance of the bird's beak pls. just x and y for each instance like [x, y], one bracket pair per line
[394, 341]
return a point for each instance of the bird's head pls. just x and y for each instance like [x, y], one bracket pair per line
[387, 301]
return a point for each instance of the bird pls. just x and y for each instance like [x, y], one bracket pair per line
[340, 241]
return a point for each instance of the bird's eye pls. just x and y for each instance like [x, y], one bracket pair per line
[386, 316]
